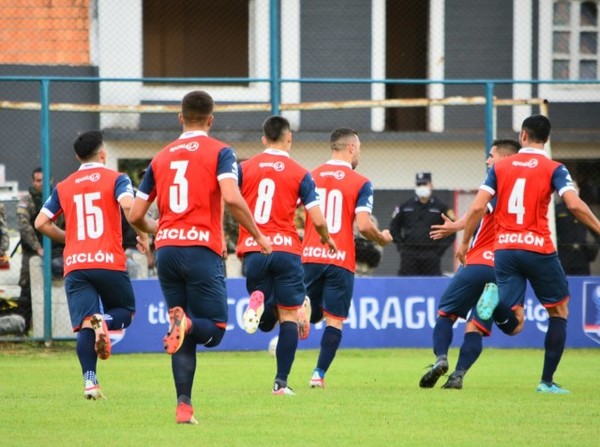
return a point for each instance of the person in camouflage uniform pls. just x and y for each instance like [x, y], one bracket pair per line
[4, 238]
[31, 240]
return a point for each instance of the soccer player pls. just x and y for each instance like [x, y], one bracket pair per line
[464, 290]
[98, 289]
[190, 178]
[273, 184]
[345, 196]
[523, 249]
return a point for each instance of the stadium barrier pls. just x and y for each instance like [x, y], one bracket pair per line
[385, 313]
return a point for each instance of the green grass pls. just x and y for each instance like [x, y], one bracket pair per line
[372, 399]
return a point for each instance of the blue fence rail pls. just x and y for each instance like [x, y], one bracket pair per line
[488, 86]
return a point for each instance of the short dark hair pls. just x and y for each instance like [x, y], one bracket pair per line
[87, 144]
[36, 171]
[339, 134]
[537, 127]
[507, 145]
[275, 127]
[196, 106]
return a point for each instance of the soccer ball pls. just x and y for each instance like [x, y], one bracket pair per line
[273, 346]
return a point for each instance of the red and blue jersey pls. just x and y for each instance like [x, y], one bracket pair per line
[184, 178]
[481, 250]
[523, 184]
[274, 185]
[89, 199]
[342, 193]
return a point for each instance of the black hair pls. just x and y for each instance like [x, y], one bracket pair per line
[275, 127]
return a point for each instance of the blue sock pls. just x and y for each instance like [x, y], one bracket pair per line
[118, 318]
[469, 351]
[505, 318]
[206, 332]
[183, 365]
[554, 345]
[442, 336]
[286, 349]
[330, 342]
[86, 352]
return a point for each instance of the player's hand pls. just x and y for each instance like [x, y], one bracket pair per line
[387, 237]
[143, 243]
[331, 243]
[461, 253]
[447, 229]
[265, 245]
[224, 253]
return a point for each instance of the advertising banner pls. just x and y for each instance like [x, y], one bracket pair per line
[385, 313]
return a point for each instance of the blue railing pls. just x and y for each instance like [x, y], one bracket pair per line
[275, 83]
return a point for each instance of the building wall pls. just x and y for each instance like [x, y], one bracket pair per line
[340, 51]
[41, 32]
[20, 148]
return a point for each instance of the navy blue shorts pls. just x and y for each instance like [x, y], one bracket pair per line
[95, 291]
[279, 276]
[330, 289]
[463, 292]
[544, 272]
[193, 278]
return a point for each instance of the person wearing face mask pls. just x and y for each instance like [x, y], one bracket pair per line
[411, 221]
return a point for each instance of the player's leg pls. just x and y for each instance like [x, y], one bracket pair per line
[512, 282]
[206, 296]
[478, 277]
[116, 294]
[314, 280]
[261, 312]
[337, 296]
[550, 285]
[289, 290]
[454, 303]
[82, 300]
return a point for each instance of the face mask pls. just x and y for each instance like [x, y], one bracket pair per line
[423, 191]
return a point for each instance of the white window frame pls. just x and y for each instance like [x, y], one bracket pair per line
[559, 92]
[126, 60]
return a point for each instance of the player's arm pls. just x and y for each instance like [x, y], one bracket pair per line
[143, 245]
[45, 225]
[44, 220]
[241, 213]
[318, 220]
[448, 228]
[368, 229]
[581, 210]
[472, 218]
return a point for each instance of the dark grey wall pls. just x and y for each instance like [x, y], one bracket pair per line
[340, 51]
[478, 45]
[20, 148]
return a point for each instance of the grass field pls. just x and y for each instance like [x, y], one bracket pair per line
[372, 399]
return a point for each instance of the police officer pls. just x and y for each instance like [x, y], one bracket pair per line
[411, 222]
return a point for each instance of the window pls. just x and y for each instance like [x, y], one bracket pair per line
[575, 30]
[186, 39]
[568, 49]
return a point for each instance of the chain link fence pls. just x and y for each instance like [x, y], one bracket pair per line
[123, 67]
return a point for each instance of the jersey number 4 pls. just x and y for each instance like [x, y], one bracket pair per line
[516, 200]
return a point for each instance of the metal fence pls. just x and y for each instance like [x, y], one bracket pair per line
[423, 95]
